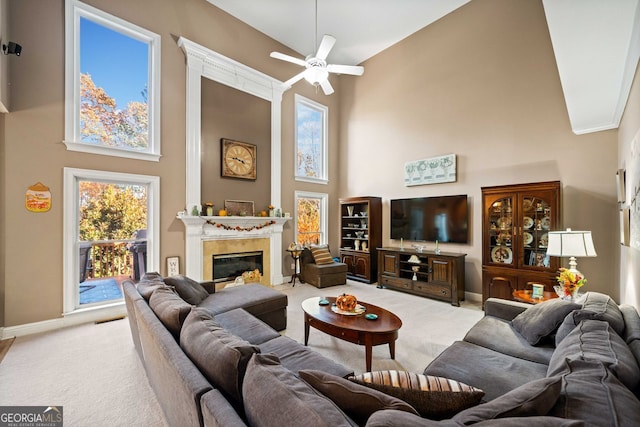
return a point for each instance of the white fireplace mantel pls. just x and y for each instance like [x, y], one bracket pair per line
[199, 229]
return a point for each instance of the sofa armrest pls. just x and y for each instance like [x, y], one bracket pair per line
[504, 309]
[209, 286]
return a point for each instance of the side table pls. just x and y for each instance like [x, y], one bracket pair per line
[524, 295]
[295, 254]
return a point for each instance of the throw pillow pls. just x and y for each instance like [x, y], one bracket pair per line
[190, 290]
[321, 255]
[170, 309]
[433, 397]
[570, 322]
[596, 340]
[535, 398]
[221, 357]
[541, 320]
[274, 396]
[356, 400]
[606, 308]
[148, 283]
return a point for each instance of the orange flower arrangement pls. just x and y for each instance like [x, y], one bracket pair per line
[570, 282]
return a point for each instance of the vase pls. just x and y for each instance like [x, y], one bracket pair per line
[565, 294]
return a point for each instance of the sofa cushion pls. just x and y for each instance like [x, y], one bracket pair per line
[149, 283]
[321, 255]
[356, 400]
[596, 340]
[254, 298]
[489, 368]
[188, 289]
[392, 418]
[535, 398]
[433, 397]
[572, 320]
[295, 357]
[245, 326]
[333, 268]
[631, 323]
[274, 396]
[541, 320]
[497, 334]
[170, 309]
[220, 356]
[606, 309]
[592, 393]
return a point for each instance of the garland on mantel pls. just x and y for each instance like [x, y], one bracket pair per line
[238, 228]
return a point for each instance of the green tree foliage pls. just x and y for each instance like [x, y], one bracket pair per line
[103, 123]
[111, 211]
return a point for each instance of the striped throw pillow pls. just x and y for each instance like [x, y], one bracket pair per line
[321, 255]
[433, 397]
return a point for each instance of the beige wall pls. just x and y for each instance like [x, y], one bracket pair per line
[481, 83]
[629, 159]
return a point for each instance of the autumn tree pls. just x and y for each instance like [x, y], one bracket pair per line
[111, 211]
[103, 123]
[308, 221]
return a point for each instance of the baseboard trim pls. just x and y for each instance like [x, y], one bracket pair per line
[76, 318]
[473, 297]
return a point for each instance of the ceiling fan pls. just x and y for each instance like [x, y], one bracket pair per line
[316, 68]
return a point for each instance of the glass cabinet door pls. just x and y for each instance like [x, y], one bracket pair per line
[536, 223]
[501, 226]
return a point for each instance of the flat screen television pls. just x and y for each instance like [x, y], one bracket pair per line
[427, 219]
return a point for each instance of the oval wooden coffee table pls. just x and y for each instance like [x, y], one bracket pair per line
[353, 328]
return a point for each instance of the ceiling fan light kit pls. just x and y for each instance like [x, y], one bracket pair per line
[316, 68]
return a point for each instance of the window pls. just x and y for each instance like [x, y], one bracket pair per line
[311, 218]
[311, 141]
[112, 80]
[111, 231]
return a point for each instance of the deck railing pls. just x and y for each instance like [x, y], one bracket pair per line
[107, 258]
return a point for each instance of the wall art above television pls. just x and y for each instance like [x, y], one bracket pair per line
[430, 171]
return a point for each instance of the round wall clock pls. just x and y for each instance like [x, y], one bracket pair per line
[238, 159]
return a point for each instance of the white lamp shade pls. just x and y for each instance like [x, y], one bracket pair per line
[316, 75]
[571, 244]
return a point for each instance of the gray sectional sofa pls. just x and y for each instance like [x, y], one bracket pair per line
[544, 365]
[195, 346]
[213, 360]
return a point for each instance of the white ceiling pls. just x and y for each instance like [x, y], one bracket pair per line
[596, 42]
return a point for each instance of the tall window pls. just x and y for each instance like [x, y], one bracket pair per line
[112, 85]
[311, 218]
[111, 229]
[311, 141]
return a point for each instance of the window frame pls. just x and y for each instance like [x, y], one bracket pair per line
[74, 10]
[72, 176]
[324, 110]
[324, 211]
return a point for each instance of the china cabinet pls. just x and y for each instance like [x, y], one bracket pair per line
[360, 236]
[516, 220]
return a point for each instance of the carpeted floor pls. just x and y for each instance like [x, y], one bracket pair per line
[93, 371]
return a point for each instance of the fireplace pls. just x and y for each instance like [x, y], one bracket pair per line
[226, 267]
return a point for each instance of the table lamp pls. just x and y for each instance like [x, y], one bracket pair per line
[571, 244]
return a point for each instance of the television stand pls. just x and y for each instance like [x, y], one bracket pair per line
[439, 276]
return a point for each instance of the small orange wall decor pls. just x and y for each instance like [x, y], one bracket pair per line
[38, 198]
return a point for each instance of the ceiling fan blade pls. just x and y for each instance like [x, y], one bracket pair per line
[283, 57]
[295, 79]
[325, 46]
[355, 70]
[326, 87]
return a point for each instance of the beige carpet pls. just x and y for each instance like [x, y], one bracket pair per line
[94, 372]
[428, 326]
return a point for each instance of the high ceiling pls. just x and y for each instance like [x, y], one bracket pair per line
[596, 42]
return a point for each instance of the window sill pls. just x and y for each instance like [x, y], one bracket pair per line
[115, 152]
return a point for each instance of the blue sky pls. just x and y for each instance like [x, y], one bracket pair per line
[117, 63]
